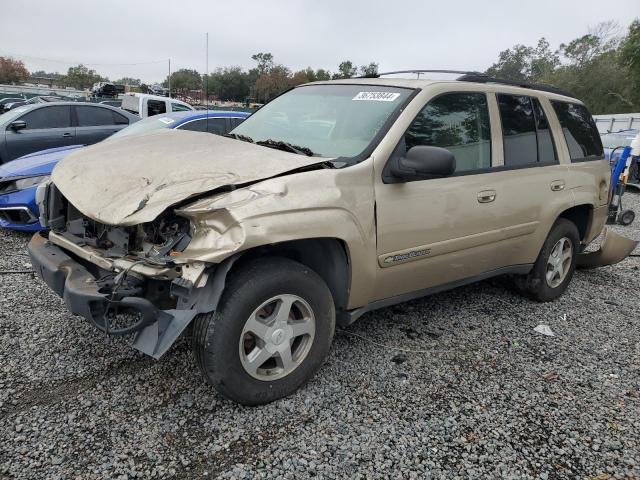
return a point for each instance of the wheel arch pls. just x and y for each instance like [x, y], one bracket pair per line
[581, 216]
[328, 257]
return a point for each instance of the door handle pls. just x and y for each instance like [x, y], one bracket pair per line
[66, 135]
[557, 185]
[486, 196]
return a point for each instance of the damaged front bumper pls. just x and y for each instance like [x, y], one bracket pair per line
[613, 249]
[78, 284]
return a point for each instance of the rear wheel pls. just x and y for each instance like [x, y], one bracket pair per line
[271, 332]
[554, 266]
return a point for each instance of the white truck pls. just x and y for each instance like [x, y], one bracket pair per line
[145, 105]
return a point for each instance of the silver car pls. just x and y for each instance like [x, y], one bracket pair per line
[32, 128]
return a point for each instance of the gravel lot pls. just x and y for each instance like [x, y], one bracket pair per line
[478, 393]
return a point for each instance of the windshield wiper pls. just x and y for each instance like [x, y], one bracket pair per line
[287, 147]
[238, 136]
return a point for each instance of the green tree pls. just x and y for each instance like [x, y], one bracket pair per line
[521, 63]
[265, 62]
[369, 70]
[229, 83]
[81, 77]
[133, 82]
[346, 69]
[44, 74]
[12, 71]
[629, 58]
[184, 80]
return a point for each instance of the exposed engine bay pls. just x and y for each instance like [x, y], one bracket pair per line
[154, 241]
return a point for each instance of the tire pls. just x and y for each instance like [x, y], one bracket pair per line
[536, 285]
[627, 217]
[251, 301]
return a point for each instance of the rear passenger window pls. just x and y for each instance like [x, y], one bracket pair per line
[525, 131]
[94, 116]
[119, 119]
[177, 107]
[579, 130]
[211, 125]
[156, 107]
[458, 122]
[48, 117]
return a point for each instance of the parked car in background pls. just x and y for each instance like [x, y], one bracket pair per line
[19, 178]
[145, 105]
[158, 90]
[106, 89]
[112, 103]
[613, 144]
[38, 127]
[32, 101]
[8, 100]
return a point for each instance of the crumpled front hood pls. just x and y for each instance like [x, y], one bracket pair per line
[131, 180]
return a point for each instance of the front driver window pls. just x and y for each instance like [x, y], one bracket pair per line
[458, 122]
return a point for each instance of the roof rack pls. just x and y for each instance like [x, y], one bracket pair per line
[479, 77]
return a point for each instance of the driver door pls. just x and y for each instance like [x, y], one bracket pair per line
[437, 231]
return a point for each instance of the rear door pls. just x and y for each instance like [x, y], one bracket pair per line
[95, 123]
[48, 126]
[532, 181]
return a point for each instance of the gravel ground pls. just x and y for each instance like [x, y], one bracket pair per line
[476, 393]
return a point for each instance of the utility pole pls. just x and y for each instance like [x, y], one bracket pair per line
[169, 78]
[206, 78]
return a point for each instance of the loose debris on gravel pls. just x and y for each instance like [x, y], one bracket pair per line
[455, 385]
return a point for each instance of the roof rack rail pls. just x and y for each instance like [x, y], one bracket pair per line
[479, 77]
[419, 72]
[484, 78]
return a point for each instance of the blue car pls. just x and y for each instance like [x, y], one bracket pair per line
[20, 177]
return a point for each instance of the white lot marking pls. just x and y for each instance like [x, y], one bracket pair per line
[376, 96]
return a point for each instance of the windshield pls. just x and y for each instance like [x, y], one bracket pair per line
[613, 141]
[146, 125]
[330, 120]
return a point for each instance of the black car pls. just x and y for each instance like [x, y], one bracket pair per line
[31, 101]
[8, 100]
[32, 128]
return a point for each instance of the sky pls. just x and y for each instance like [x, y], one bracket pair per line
[399, 34]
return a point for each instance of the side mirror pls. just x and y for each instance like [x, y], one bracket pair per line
[18, 125]
[422, 162]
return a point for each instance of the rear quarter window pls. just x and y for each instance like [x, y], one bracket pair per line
[580, 131]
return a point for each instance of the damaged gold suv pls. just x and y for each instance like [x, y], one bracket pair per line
[334, 199]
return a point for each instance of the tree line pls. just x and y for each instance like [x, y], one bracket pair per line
[602, 68]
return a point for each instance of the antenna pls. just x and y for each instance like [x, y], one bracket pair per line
[206, 82]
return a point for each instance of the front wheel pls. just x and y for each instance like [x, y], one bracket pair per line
[555, 264]
[272, 331]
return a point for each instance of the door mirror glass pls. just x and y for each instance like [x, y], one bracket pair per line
[422, 162]
[18, 125]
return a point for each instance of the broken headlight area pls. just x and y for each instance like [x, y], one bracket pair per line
[154, 242]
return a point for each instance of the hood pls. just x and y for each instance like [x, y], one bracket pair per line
[131, 180]
[38, 163]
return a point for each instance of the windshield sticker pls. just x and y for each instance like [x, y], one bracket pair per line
[376, 96]
[166, 120]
